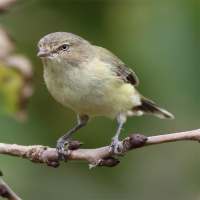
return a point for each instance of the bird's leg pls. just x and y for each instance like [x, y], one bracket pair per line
[116, 145]
[64, 140]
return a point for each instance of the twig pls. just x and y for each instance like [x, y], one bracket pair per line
[96, 157]
[5, 4]
[6, 191]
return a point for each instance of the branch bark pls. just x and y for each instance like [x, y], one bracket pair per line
[6, 191]
[5, 4]
[96, 157]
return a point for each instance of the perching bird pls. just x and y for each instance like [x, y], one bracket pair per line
[92, 82]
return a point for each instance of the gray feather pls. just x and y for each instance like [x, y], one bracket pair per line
[125, 73]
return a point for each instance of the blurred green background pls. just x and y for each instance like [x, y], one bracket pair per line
[159, 40]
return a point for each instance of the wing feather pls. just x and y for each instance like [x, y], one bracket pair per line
[125, 73]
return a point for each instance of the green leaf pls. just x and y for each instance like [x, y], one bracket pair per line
[11, 83]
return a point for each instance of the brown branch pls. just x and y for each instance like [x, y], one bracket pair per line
[5, 4]
[6, 191]
[96, 157]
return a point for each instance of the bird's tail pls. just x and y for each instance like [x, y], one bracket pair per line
[149, 107]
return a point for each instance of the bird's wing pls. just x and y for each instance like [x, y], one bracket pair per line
[125, 73]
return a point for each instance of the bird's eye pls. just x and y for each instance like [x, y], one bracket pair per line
[64, 47]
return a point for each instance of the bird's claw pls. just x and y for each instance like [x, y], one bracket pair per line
[62, 147]
[116, 147]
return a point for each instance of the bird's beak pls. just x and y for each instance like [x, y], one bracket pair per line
[43, 54]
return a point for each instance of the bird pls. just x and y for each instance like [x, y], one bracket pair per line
[92, 81]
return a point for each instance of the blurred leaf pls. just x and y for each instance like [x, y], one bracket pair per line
[11, 83]
[15, 86]
[15, 79]
[23, 66]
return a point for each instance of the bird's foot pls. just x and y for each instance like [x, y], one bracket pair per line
[116, 147]
[62, 148]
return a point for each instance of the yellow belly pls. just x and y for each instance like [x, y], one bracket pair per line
[95, 92]
[111, 101]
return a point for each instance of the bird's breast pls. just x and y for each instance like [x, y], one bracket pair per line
[89, 90]
[65, 85]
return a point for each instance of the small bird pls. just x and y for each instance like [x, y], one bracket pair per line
[92, 82]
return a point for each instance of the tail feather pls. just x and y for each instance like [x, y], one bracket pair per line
[150, 107]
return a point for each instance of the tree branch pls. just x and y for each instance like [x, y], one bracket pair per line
[6, 191]
[5, 4]
[96, 157]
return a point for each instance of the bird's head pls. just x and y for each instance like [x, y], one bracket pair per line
[64, 47]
